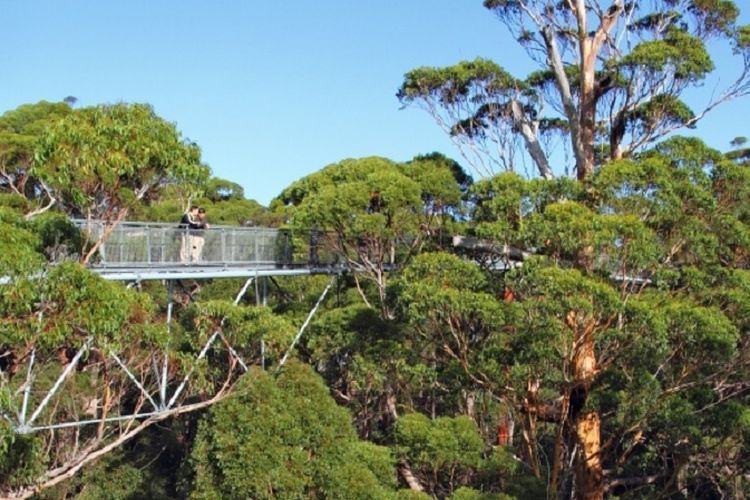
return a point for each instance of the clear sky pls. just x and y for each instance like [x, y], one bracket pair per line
[271, 91]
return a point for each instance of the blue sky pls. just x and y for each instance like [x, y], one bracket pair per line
[271, 91]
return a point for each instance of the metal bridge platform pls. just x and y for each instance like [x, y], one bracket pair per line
[197, 272]
[141, 251]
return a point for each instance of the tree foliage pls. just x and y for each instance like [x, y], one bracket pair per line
[286, 438]
[20, 130]
[610, 81]
[585, 340]
[372, 214]
[101, 161]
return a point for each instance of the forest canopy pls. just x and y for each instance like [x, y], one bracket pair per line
[548, 336]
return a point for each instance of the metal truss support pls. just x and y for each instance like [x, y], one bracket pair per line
[25, 427]
[163, 380]
[262, 341]
[163, 407]
[135, 381]
[207, 346]
[262, 300]
[304, 325]
[27, 389]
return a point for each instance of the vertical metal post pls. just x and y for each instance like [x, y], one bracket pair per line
[223, 245]
[262, 354]
[27, 390]
[148, 245]
[165, 366]
[262, 341]
[258, 302]
[256, 246]
[103, 247]
[162, 246]
[122, 246]
[257, 293]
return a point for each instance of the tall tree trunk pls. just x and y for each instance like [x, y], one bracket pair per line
[529, 427]
[403, 467]
[588, 126]
[587, 422]
[470, 399]
[411, 480]
[589, 477]
[557, 456]
[531, 139]
[590, 46]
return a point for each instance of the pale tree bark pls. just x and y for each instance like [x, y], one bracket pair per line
[581, 120]
[531, 139]
[403, 467]
[411, 480]
[594, 37]
[590, 47]
[563, 86]
[51, 202]
[19, 188]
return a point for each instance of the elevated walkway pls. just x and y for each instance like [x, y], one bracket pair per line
[136, 251]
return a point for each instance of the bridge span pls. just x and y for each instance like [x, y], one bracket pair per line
[137, 251]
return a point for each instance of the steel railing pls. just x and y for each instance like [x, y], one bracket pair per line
[150, 244]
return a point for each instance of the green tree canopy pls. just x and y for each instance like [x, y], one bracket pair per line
[611, 80]
[20, 130]
[372, 213]
[101, 161]
[286, 438]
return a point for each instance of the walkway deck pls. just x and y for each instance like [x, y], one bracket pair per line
[136, 251]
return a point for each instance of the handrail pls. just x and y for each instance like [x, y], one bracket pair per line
[154, 244]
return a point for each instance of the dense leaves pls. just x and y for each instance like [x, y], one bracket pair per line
[286, 438]
[577, 340]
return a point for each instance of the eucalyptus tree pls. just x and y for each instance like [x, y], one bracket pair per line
[453, 323]
[20, 130]
[99, 162]
[372, 214]
[611, 79]
[285, 437]
[626, 334]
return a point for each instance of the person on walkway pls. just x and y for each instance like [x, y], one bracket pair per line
[199, 235]
[188, 224]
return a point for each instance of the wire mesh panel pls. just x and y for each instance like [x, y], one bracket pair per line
[141, 244]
